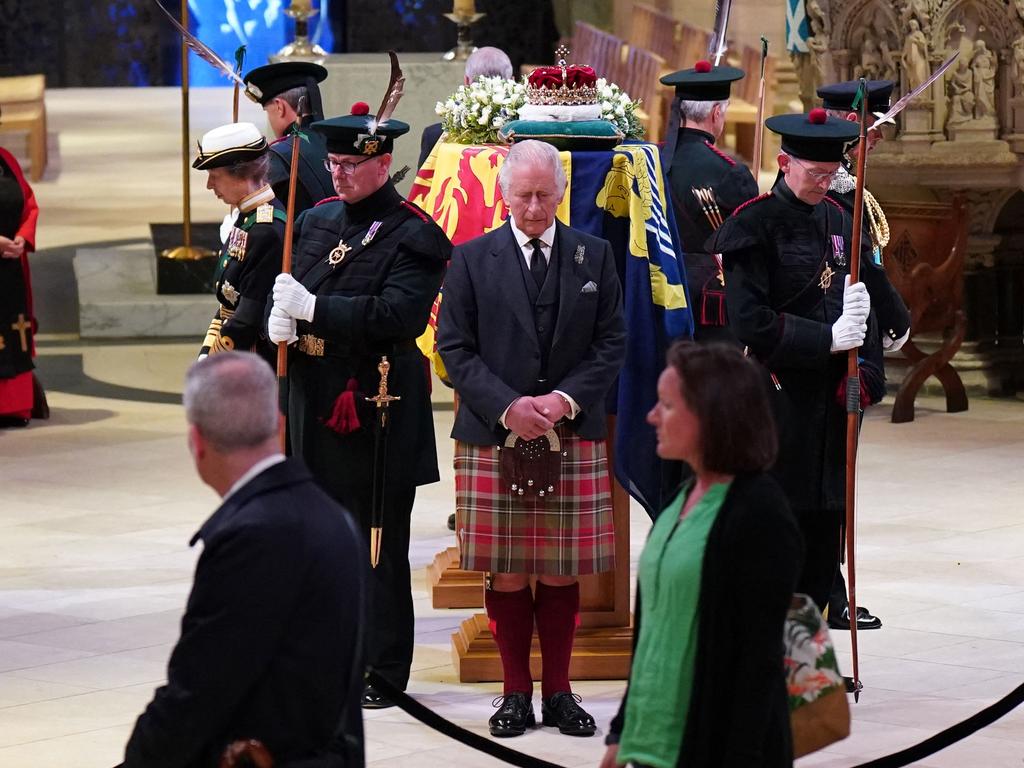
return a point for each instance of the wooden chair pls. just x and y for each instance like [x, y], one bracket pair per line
[599, 49]
[23, 108]
[639, 78]
[655, 31]
[692, 46]
[925, 262]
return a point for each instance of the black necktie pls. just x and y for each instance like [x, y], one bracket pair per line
[538, 264]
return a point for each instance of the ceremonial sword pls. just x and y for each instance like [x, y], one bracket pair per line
[380, 450]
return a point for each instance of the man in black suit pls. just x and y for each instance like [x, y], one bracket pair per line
[532, 335]
[269, 647]
[483, 62]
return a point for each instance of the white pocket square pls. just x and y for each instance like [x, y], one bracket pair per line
[590, 287]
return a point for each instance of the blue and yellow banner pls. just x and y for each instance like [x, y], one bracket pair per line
[619, 195]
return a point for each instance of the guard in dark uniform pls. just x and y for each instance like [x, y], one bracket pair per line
[706, 185]
[786, 255]
[235, 157]
[289, 93]
[368, 266]
[838, 100]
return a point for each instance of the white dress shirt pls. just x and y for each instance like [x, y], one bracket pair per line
[254, 470]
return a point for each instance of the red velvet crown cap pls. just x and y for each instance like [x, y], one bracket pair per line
[575, 76]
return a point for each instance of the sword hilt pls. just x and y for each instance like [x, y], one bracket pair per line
[382, 398]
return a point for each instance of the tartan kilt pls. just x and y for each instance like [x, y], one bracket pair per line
[569, 533]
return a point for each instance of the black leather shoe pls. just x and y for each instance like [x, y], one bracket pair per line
[451, 522]
[564, 712]
[514, 715]
[841, 620]
[374, 699]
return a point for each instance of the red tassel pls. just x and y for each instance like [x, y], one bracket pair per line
[345, 418]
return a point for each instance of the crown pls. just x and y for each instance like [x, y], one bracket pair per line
[563, 85]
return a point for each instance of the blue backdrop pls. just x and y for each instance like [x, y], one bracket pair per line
[260, 25]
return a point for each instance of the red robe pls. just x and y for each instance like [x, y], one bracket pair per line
[16, 397]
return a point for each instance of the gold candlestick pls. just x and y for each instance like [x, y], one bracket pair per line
[464, 15]
[301, 49]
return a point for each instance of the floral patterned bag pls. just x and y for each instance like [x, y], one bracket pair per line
[819, 714]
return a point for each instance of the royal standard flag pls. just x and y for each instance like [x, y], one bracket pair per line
[618, 195]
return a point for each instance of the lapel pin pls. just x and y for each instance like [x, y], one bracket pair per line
[580, 250]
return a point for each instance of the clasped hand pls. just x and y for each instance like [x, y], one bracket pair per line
[292, 298]
[849, 330]
[531, 417]
[12, 249]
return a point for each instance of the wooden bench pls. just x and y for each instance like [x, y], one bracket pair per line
[23, 108]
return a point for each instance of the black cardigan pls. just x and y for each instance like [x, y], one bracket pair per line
[739, 714]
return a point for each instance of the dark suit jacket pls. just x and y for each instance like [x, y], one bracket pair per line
[488, 340]
[739, 710]
[270, 631]
[428, 139]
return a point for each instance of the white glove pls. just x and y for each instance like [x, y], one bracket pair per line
[292, 299]
[281, 327]
[848, 333]
[856, 300]
[893, 345]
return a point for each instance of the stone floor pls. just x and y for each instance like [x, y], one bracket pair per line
[97, 506]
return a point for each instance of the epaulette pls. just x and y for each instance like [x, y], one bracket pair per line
[416, 210]
[332, 199]
[751, 201]
[719, 152]
[265, 213]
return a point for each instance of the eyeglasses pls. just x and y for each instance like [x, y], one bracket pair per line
[817, 176]
[343, 166]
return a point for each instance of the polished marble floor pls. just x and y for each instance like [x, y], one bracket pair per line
[97, 506]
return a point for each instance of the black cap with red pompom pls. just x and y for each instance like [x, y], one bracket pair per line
[358, 134]
[703, 82]
[814, 136]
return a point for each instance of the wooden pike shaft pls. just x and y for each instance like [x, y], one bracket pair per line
[853, 409]
[286, 268]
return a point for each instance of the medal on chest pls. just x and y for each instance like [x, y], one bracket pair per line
[236, 243]
[838, 250]
[826, 278]
[335, 257]
[371, 232]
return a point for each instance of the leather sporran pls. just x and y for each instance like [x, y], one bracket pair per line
[819, 713]
[531, 467]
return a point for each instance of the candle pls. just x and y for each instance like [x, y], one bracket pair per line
[464, 8]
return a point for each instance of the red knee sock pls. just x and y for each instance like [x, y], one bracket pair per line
[511, 620]
[557, 610]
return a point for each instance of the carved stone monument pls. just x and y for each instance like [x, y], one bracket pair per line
[964, 136]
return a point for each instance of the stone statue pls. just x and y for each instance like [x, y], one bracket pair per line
[870, 66]
[915, 55]
[810, 66]
[983, 65]
[1019, 6]
[919, 10]
[961, 94]
[1018, 63]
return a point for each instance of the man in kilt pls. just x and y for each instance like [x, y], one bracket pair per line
[532, 334]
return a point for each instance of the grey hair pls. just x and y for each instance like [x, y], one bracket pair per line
[699, 111]
[293, 96]
[488, 62]
[231, 398]
[531, 151]
[256, 169]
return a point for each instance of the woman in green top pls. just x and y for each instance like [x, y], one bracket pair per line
[707, 686]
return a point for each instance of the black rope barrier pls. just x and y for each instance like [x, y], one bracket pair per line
[920, 751]
[414, 709]
[951, 735]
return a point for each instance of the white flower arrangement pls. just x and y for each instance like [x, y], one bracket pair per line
[476, 112]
